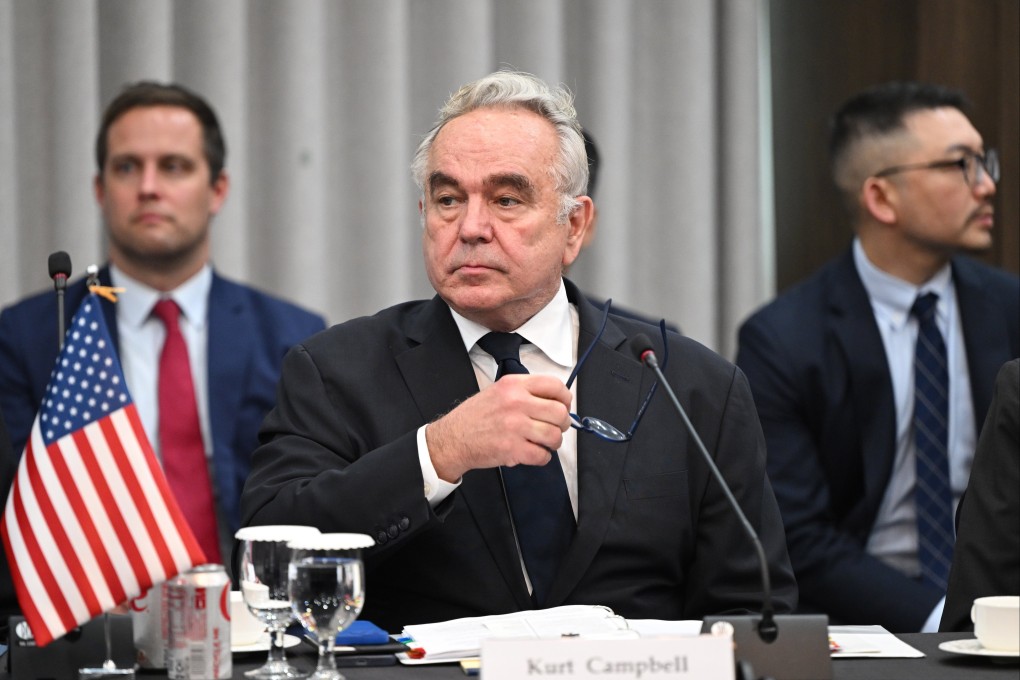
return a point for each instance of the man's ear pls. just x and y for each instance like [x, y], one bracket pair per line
[880, 199]
[578, 224]
[220, 189]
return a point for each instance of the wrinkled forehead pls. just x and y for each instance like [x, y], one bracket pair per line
[494, 145]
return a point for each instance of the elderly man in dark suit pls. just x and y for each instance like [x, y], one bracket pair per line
[160, 180]
[480, 495]
[866, 494]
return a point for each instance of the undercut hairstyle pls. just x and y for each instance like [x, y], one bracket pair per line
[148, 93]
[516, 90]
[880, 112]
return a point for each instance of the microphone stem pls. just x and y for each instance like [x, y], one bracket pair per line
[60, 314]
[766, 612]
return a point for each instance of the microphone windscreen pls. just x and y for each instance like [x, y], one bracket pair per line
[60, 263]
[641, 344]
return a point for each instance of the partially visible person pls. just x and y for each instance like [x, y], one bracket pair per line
[160, 181]
[987, 557]
[831, 362]
[8, 600]
[442, 427]
[594, 161]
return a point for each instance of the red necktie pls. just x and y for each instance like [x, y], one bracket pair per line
[180, 435]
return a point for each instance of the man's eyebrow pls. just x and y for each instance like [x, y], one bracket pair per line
[512, 180]
[965, 148]
[439, 179]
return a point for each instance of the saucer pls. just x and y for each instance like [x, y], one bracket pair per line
[262, 644]
[974, 648]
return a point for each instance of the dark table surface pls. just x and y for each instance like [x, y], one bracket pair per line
[936, 665]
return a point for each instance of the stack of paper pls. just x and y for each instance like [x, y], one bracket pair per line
[462, 638]
[849, 642]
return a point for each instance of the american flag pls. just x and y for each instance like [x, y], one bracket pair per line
[90, 521]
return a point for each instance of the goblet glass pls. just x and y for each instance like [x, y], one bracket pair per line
[326, 581]
[262, 576]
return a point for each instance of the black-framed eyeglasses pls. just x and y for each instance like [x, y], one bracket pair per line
[973, 165]
[597, 426]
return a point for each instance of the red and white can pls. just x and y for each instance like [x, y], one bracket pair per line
[149, 622]
[198, 623]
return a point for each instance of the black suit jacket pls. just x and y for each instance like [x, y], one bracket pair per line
[986, 560]
[818, 370]
[655, 537]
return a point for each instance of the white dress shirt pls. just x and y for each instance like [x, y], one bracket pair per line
[141, 337]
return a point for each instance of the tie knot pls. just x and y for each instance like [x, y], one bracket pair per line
[924, 306]
[167, 311]
[502, 346]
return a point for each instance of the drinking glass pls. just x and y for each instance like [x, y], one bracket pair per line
[326, 582]
[262, 577]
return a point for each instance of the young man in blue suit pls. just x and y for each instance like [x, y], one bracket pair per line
[160, 181]
[831, 361]
[405, 425]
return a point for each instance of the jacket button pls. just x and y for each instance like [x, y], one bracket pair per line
[381, 537]
[393, 531]
[404, 523]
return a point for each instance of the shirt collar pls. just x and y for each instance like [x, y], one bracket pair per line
[134, 305]
[550, 330]
[892, 296]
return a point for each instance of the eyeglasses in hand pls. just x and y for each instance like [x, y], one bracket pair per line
[596, 426]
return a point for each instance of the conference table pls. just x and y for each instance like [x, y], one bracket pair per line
[936, 665]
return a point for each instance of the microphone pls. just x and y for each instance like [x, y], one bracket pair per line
[60, 268]
[60, 271]
[802, 653]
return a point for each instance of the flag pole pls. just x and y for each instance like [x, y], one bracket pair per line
[109, 668]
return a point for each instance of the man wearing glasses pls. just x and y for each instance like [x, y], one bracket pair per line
[873, 376]
[444, 428]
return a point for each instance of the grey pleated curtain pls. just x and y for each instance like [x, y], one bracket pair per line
[323, 103]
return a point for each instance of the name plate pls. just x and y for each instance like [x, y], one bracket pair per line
[705, 657]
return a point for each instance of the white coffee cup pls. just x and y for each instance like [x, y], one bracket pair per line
[997, 622]
[245, 629]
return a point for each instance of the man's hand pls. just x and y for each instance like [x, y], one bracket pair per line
[517, 420]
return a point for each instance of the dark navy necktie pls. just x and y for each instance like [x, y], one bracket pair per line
[537, 494]
[932, 494]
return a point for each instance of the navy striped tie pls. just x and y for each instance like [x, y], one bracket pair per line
[537, 494]
[932, 494]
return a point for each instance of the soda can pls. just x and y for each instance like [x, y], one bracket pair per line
[149, 623]
[198, 623]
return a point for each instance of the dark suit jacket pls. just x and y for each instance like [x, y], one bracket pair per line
[249, 332]
[817, 367]
[986, 560]
[655, 536]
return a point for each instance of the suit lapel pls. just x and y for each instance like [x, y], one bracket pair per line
[610, 386]
[439, 375]
[985, 335]
[231, 335]
[867, 374]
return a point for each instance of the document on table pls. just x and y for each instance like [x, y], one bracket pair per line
[462, 638]
[857, 642]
